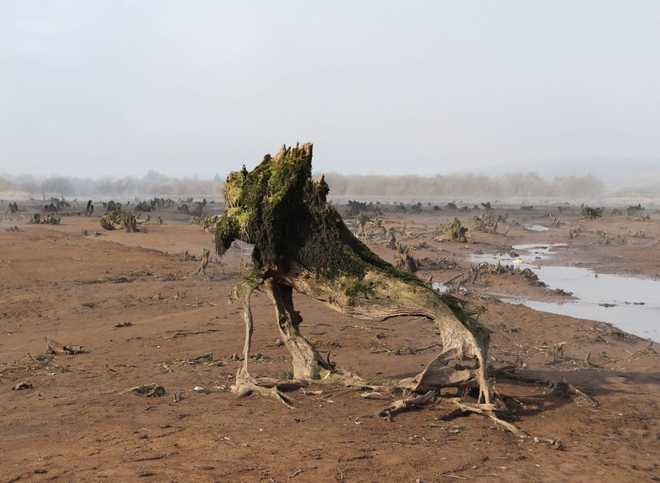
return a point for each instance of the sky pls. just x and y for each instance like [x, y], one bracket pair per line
[198, 88]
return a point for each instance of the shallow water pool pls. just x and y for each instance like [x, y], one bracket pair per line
[629, 303]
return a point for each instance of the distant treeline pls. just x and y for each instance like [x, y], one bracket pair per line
[466, 185]
[151, 185]
[462, 185]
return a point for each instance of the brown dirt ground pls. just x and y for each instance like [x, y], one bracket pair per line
[74, 426]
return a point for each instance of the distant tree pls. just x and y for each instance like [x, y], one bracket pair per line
[6, 185]
[61, 186]
[155, 176]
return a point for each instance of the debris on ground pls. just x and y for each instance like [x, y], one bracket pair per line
[115, 220]
[22, 385]
[564, 389]
[145, 390]
[453, 232]
[56, 348]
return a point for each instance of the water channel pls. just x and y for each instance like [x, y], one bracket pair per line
[629, 303]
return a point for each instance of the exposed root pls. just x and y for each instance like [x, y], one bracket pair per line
[439, 374]
[407, 404]
[247, 385]
[489, 411]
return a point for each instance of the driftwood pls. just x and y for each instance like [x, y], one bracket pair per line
[301, 243]
[56, 348]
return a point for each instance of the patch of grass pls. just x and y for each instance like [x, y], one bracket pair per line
[382, 381]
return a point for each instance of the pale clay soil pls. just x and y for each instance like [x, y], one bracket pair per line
[73, 425]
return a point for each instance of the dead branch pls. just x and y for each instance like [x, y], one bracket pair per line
[196, 332]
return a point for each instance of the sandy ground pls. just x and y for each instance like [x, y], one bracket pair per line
[73, 425]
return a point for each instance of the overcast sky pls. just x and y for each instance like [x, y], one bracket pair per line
[196, 88]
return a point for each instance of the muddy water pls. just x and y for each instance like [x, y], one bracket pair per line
[631, 304]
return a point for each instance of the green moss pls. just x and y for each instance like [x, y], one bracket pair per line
[279, 208]
[358, 287]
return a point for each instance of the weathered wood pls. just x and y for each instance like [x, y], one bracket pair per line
[301, 243]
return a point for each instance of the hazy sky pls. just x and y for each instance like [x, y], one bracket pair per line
[196, 88]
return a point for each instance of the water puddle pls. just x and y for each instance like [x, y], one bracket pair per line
[629, 303]
[536, 228]
[519, 254]
[439, 287]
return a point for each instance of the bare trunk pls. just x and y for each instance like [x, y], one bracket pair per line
[306, 360]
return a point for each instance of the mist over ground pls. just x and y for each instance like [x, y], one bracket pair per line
[477, 186]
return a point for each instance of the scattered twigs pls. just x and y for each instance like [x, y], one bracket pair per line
[489, 411]
[196, 332]
[646, 351]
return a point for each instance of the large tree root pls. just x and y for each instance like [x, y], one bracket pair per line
[438, 374]
[247, 385]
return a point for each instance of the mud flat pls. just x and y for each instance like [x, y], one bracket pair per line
[81, 286]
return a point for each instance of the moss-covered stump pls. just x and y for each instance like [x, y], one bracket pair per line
[301, 243]
[114, 220]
